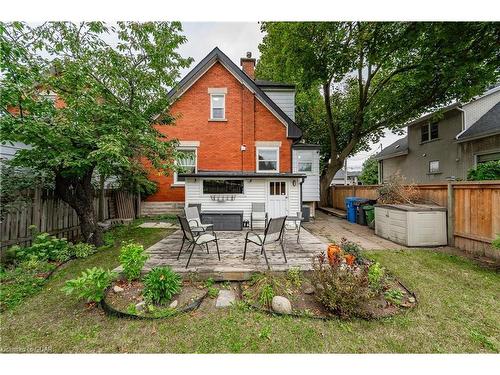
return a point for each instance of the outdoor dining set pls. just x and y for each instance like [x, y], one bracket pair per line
[197, 233]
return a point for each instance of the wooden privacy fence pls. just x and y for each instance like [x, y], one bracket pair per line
[473, 210]
[52, 215]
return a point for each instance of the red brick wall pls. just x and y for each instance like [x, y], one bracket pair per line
[220, 141]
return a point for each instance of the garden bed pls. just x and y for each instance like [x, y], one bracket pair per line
[304, 302]
[130, 295]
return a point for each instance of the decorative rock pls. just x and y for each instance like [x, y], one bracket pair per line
[281, 305]
[411, 299]
[140, 306]
[308, 289]
[174, 304]
[225, 298]
[117, 289]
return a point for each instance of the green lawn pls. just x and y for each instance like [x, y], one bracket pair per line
[458, 311]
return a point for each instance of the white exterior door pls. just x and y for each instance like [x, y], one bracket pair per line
[277, 198]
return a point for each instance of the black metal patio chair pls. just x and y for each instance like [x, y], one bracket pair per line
[200, 239]
[272, 234]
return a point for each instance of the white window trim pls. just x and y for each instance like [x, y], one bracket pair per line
[277, 149]
[223, 107]
[309, 161]
[183, 183]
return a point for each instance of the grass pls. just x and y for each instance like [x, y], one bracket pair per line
[458, 311]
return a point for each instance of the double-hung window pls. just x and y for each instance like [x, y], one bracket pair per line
[429, 132]
[186, 163]
[268, 159]
[217, 107]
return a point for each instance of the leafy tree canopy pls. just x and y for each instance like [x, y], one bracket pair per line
[378, 75]
[107, 95]
[369, 172]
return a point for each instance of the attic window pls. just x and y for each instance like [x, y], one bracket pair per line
[429, 132]
[217, 106]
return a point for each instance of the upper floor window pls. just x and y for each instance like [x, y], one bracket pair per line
[429, 131]
[217, 106]
[187, 164]
[267, 159]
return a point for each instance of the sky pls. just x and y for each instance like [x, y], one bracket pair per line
[235, 39]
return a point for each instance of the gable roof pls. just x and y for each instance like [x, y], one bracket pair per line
[398, 148]
[488, 124]
[293, 131]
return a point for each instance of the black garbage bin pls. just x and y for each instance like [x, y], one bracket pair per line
[360, 213]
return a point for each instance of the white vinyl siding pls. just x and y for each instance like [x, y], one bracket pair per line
[283, 99]
[477, 108]
[310, 187]
[255, 190]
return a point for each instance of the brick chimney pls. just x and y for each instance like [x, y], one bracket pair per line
[248, 65]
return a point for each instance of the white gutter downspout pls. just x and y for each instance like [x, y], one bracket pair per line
[464, 121]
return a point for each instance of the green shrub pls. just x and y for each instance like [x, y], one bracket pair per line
[376, 275]
[342, 290]
[132, 259]
[266, 295]
[91, 285]
[294, 276]
[352, 248]
[83, 250]
[485, 171]
[496, 242]
[45, 247]
[160, 284]
[394, 296]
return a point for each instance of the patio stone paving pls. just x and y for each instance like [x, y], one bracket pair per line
[231, 266]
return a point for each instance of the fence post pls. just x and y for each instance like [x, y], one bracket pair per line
[451, 215]
[138, 206]
[37, 207]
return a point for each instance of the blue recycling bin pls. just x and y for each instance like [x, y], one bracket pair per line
[351, 208]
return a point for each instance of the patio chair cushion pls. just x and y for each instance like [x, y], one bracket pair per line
[204, 238]
[256, 238]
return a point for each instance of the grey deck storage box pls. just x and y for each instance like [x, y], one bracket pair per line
[411, 225]
[223, 220]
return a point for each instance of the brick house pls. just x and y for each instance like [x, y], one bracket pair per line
[240, 144]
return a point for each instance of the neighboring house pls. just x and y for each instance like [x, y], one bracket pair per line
[352, 178]
[445, 147]
[240, 143]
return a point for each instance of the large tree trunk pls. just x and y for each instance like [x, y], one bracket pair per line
[78, 192]
[326, 180]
